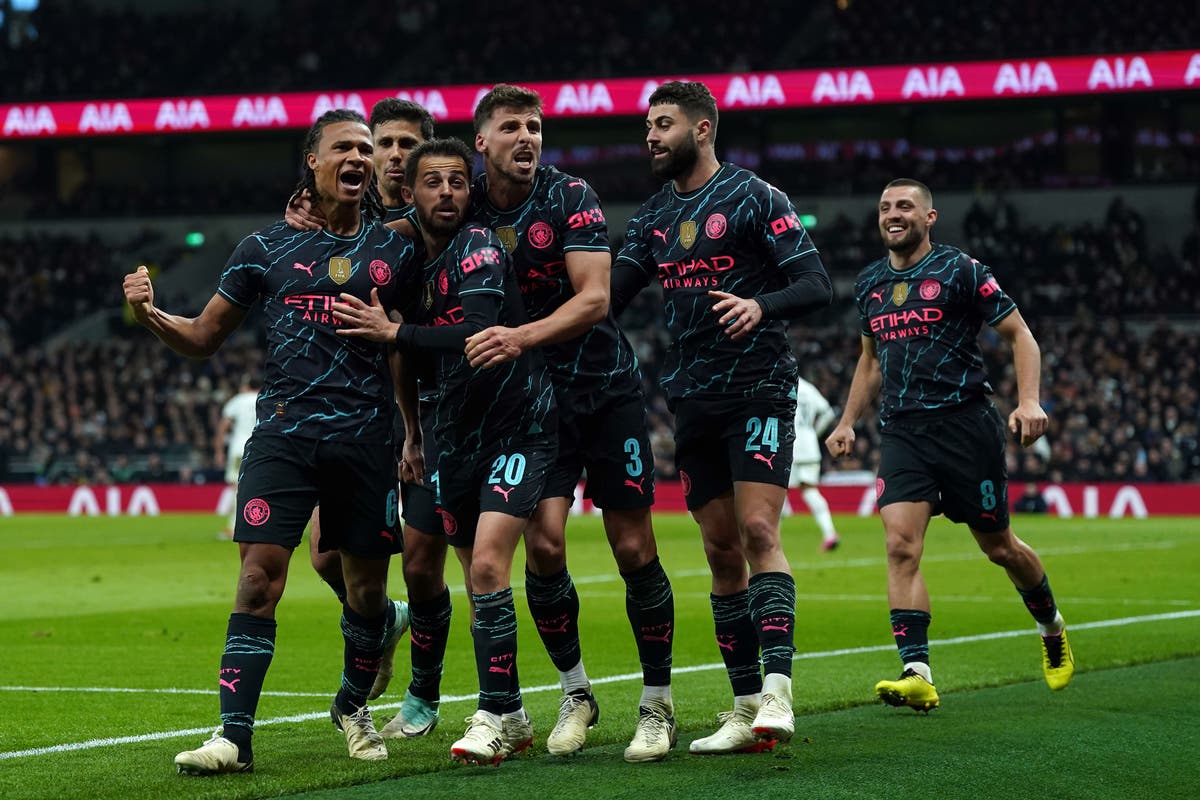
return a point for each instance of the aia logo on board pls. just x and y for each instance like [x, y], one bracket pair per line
[716, 226]
[381, 273]
[541, 235]
[256, 512]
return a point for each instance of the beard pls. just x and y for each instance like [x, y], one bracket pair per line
[678, 161]
[436, 225]
[906, 243]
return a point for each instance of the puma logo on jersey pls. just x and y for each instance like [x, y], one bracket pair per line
[303, 268]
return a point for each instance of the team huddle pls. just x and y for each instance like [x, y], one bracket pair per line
[485, 309]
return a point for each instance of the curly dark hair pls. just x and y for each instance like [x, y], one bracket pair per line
[372, 205]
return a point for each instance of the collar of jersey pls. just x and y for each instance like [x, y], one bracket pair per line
[537, 179]
[933, 249]
[697, 191]
[362, 231]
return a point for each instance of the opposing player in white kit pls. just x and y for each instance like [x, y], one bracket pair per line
[813, 414]
[234, 429]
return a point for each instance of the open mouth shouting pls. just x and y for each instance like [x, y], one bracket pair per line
[352, 180]
[524, 160]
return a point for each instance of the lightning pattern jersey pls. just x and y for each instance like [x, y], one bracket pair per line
[736, 234]
[479, 407]
[317, 384]
[562, 214]
[925, 321]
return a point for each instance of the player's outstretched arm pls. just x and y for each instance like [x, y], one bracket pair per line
[1028, 420]
[589, 273]
[863, 388]
[193, 337]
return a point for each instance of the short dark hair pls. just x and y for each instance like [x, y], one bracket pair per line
[692, 97]
[921, 188]
[390, 109]
[437, 147]
[505, 95]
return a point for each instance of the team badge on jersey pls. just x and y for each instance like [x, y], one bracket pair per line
[339, 269]
[541, 235]
[930, 289]
[508, 237]
[687, 233]
[427, 295]
[899, 293]
[716, 225]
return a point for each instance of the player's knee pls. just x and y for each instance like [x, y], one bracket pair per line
[486, 576]
[760, 532]
[545, 552]
[422, 577]
[368, 598]
[632, 553]
[999, 552]
[726, 559]
[256, 591]
[903, 549]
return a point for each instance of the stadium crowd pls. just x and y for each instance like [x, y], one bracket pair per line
[1118, 380]
[55, 52]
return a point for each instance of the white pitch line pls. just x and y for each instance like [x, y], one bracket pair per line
[629, 676]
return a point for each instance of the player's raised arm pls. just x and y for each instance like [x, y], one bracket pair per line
[863, 388]
[194, 337]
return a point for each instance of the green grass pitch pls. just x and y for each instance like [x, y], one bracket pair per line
[111, 630]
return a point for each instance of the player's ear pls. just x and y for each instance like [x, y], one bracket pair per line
[931, 217]
[406, 194]
[480, 143]
[311, 160]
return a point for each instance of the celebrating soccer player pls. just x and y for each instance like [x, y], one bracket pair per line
[398, 126]
[735, 264]
[554, 228]
[943, 441]
[323, 432]
[495, 428]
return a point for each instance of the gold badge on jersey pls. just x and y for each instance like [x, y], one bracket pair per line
[339, 269]
[427, 295]
[899, 293]
[508, 237]
[687, 233]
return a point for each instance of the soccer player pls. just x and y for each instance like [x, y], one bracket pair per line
[495, 428]
[813, 414]
[554, 228]
[735, 264]
[233, 431]
[397, 127]
[943, 441]
[323, 432]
